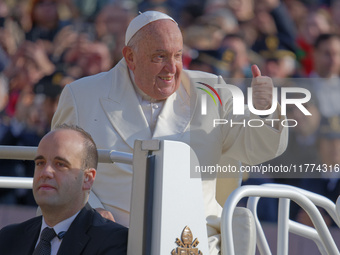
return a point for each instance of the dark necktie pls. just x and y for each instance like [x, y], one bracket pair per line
[44, 245]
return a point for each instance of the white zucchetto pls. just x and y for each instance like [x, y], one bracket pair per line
[142, 20]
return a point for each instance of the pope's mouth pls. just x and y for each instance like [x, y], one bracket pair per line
[166, 78]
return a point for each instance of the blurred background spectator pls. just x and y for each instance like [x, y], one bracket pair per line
[325, 80]
[315, 23]
[325, 181]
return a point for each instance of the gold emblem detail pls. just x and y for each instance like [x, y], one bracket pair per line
[272, 42]
[228, 56]
[335, 123]
[187, 246]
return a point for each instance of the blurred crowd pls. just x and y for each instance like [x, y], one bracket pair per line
[46, 44]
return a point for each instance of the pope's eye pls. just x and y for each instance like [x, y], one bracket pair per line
[158, 58]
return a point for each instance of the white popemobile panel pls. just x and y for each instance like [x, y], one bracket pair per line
[178, 201]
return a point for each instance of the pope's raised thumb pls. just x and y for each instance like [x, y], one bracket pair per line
[255, 70]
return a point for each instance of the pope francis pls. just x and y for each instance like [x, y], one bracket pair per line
[148, 95]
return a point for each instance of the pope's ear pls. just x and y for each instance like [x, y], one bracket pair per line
[129, 57]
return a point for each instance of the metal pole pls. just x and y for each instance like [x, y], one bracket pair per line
[16, 182]
[28, 153]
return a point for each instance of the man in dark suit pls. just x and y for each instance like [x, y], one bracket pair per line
[64, 173]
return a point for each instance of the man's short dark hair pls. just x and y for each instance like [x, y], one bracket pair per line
[324, 37]
[90, 157]
[234, 36]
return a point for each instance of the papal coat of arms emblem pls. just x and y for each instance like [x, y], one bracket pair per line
[187, 246]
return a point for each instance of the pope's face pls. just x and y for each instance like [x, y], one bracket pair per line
[58, 176]
[157, 61]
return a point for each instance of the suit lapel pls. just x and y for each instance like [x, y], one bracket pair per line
[30, 236]
[177, 112]
[76, 238]
[122, 108]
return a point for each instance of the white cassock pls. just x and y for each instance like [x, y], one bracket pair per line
[107, 106]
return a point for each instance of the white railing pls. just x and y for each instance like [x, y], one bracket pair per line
[28, 153]
[308, 201]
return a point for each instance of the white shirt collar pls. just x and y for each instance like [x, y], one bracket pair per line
[61, 226]
[59, 229]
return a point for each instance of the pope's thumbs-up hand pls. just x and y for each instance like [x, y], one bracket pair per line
[262, 89]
